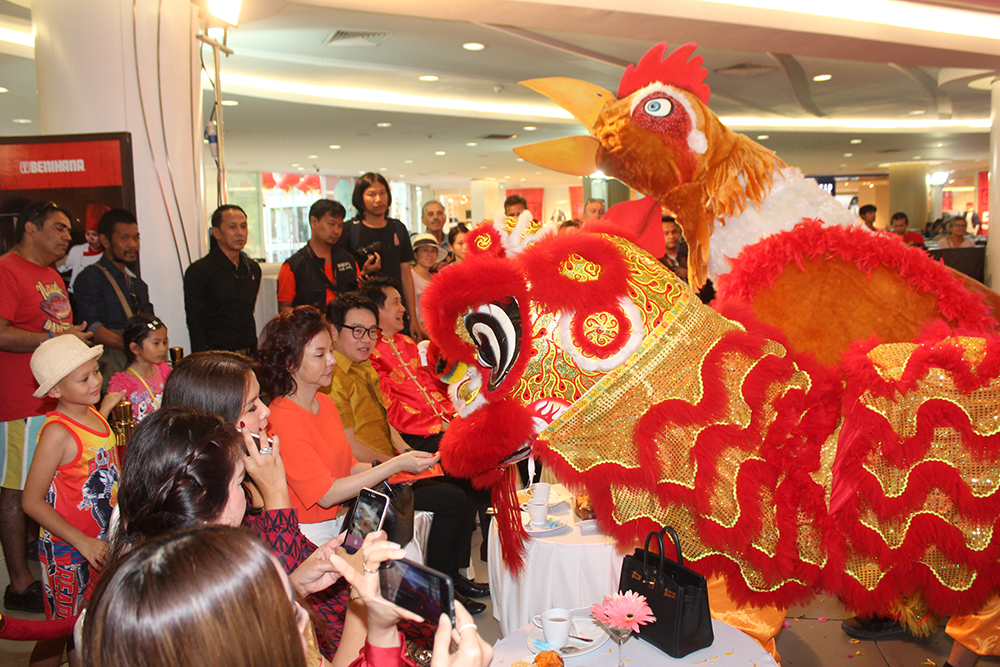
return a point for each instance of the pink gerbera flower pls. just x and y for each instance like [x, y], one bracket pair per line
[624, 611]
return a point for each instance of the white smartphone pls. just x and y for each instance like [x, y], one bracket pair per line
[367, 517]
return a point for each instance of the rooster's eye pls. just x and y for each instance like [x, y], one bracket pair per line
[659, 107]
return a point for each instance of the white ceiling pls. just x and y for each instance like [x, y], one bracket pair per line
[585, 39]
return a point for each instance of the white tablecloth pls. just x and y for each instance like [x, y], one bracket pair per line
[731, 648]
[574, 566]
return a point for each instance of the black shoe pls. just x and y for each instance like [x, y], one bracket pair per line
[30, 600]
[471, 589]
[471, 606]
[872, 628]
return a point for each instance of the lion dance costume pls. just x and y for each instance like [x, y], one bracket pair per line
[831, 423]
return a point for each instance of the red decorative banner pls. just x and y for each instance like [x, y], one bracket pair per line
[60, 165]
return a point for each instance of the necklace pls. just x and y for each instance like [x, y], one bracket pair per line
[152, 396]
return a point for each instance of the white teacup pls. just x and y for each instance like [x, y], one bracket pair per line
[538, 511]
[555, 625]
[541, 491]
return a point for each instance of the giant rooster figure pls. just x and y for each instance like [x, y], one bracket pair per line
[833, 423]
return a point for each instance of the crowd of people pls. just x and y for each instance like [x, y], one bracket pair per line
[224, 511]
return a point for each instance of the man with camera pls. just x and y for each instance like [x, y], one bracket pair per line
[321, 270]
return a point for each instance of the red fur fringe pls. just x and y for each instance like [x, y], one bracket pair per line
[542, 263]
[508, 517]
[761, 264]
[473, 447]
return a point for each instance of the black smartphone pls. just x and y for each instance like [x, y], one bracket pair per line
[418, 588]
[367, 517]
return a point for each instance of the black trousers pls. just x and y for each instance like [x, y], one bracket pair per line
[449, 544]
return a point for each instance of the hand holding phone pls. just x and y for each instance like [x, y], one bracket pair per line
[418, 588]
[367, 517]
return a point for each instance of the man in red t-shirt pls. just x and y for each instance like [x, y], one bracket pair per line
[34, 307]
[900, 225]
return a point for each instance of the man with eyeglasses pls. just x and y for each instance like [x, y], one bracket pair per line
[34, 307]
[356, 392]
[108, 292]
[220, 289]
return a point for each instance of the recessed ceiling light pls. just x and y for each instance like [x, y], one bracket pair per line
[408, 161]
[295, 164]
[822, 77]
[917, 112]
[312, 157]
[855, 141]
[383, 169]
[22, 121]
[230, 103]
[383, 124]
[762, 137]
[438, 152]
[402, 175]
[473, 46]
[843, 165]
[301, 168]
[2, 89]
[538, 173]
[506, 176]
[428, 77]
[523, 180]
[520, 159]
[939, 145]
[916, 157]
[848, 154]
[334, 146]
[472, 143]
[482, 167]
[362, 172]
[530, 128]
[871, 185]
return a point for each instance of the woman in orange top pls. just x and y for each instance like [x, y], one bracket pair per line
[296, 352]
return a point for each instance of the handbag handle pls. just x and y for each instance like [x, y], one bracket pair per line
[645, 555]
[677, 542]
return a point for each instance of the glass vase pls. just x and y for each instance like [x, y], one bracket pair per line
[620, 635]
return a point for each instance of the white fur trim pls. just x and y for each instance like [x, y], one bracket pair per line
[792, 198]
[696, 139]
[475, 379]
[593, 364]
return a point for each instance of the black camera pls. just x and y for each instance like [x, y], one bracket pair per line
[364, 252]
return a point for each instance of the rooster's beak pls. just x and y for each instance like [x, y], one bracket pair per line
[570, 155]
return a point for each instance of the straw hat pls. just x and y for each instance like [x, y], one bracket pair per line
[58, 357]
[428, 239]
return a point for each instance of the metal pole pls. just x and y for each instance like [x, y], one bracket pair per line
[218, 127]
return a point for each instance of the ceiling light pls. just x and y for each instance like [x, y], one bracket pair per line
[917, 112]
[916, 157]
[506, 176]
[24, 38]
[312, 157]
[301, 168]
[762, 137]
[848, 154]
[482, 167]
[871, 185]
[383, 124]
[855, 141]
[22, 121]
[473, 46]
[822, 77]
[530, 128]
[2, 89]
[472, 143]
[226, 10]
[520, 159]
[438, 152]
[230, 103]
[939, 178]
[428, 77]
[408, 161]
[523, 180]
[383, 169]
[295, 164]
[402, 175]
[335, 146]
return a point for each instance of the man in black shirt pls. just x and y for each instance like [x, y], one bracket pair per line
[220, 289]
[321, 270]
[372, 200]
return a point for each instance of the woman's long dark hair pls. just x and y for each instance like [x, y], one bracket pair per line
[178, 466]
[199, 598]
[215, 382]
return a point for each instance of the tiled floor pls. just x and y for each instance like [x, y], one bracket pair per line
[807, 642]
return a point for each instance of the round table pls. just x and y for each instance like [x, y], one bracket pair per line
[730, 648]
[574, 566]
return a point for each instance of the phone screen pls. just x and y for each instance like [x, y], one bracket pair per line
[367, 517]
[418, 588]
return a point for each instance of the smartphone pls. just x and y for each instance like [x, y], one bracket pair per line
[367, 517]
[418, 588]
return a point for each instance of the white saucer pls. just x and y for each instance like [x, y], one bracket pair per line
[584, 626]
[553, 523]
[555, 496]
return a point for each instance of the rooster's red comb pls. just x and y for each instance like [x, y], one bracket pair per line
[674, 69]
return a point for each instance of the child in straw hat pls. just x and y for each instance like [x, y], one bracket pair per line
[72, 484]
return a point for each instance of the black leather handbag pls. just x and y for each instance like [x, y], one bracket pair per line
[677, 596]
